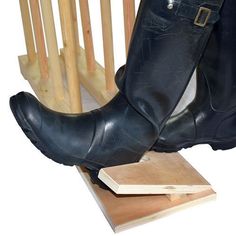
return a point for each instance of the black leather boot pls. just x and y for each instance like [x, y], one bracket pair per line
[211, 117]
[167, 44]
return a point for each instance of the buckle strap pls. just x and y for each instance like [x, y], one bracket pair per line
[200, 15]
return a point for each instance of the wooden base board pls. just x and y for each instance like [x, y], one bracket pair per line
[162, 173]
[93, 82]
[122, 211]
[44, 88]
[126, 211]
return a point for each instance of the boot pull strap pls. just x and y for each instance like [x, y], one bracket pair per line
[200, 15]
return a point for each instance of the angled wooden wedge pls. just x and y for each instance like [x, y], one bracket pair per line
[158, 173]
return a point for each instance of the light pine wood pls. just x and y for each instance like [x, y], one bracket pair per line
[174, 197]
[87, 32]
[39, 38]
[75, 20]
[129, 19]
[126, 211]
[167, 174]
[70, 55]
[53, 52]
[108, 44]
[28, 32]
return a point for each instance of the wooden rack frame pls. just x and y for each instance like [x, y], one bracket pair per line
[56, 74]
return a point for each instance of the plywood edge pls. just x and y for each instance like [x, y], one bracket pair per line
[173, 206]
[160, 189]
[109, 181]
[168, 174]
[210, 196]
[149, 189]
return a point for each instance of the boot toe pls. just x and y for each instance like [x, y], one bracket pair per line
[26, 109]
[55, 134]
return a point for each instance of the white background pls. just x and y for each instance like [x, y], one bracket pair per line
[39, 197]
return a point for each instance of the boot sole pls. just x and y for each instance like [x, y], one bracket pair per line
[28, 131]
[215, 145]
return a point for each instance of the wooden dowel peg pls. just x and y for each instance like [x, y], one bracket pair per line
[53, 54]
[70, 54]
[108, 44]
[75, 20]
[175, 197]
[39, 38]
[129, 19]
[87, 32]
[28, 32]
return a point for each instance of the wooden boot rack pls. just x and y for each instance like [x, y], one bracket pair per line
[160, 183]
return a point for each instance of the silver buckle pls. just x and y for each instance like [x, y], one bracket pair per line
[198, 20]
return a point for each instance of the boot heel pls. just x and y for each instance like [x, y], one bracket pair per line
[223, 145]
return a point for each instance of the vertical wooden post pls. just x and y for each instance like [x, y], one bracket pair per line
[39, 38]
[87, 32]
[75, 20]
[129, 19]
[108, 44]
[68, 34]
[28, 32]
[53, 54]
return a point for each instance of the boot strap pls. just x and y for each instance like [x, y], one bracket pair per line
[201, 16]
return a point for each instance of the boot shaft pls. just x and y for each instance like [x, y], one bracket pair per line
[217, 70]
[166, 47]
